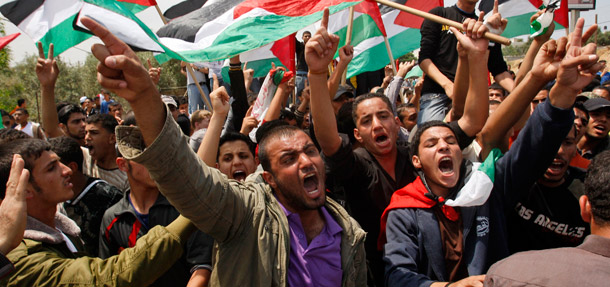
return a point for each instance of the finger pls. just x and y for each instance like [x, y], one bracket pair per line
[107, 72]
[561, 48]
[306, 83]
[589, 49]
[580, 60]
[273, 65]
[495, 7]
[589, 33]
[482, 14]
[249, 112]
[324, 23]
[50, 57]
[40, 50]
[149, 65]
[457, 33]
[14, 175]
[246, 65]
[576, 36]
[111, 84]
[215, 85]
[318, 48]
[114, 45]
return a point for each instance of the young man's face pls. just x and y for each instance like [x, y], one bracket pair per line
[137, 174]
[116, 111]
[76, 126]
[497, 95]
[602, 93]
[376, 126]
[439, 157]
[51, 180]
[598, 123]
[98, 140]
[306, 37]
[184, 109]
[297, 172]
[20, 117]
[6, 121]
[581, 120]
[556, 171]
[235, 160]
[409, 118]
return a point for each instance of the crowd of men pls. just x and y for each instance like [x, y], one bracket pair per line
[446, 180]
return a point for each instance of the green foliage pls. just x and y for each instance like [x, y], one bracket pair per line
[603, 39]
[516, 48]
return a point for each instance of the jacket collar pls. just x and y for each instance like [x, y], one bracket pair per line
[596, 244]
[38, 231]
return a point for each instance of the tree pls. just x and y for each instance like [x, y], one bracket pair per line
[407, 57]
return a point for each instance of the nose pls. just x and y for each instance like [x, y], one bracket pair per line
[65, 170]
[443, 145]
[305, 163]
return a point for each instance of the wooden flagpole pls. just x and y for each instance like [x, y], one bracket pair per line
[189, 70]
[348, 38]
[441, 20]
[387, 46]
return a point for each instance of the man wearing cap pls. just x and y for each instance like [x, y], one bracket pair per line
[344, 94]
[173, 106]
[596, 138]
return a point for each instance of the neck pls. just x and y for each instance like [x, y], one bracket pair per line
[438, 190]
[142, 198]
[551, 183]
[44, 214]
[79, 182]
[23, 124]
[588, 143]
[388, 162]
[468, 7]
[601, 230]
[312, 222]
[108, 161]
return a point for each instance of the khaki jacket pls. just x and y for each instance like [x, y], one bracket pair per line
[244, 218]
[43, 258]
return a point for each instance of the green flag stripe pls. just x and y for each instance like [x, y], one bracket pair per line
[489, 165]
[519, 25]
[63, 37]
[363, 28]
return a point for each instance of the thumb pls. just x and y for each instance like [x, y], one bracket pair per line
[215, 85]
[249, 112]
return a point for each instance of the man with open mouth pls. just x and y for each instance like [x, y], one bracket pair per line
[596, 139]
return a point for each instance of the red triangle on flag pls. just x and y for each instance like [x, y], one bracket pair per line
[561, 15]
[285, 49]
[371, 8]
[141, 2]
[409, 20]
[7, 39]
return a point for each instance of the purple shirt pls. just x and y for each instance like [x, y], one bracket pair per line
[318, 264]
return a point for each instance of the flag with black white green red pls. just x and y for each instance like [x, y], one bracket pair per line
[243, 26]
[47, 21]
[136, 6]
[479, 184]
[519, 12]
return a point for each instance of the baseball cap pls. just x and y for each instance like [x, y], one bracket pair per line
[82, 99]
[596, 104]
[169, 100]
[344, 89]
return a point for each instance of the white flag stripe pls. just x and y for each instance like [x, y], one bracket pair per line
[37, 24]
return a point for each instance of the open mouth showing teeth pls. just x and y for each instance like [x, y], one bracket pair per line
[310, 183]
[557, 164]
[381, 138]
[239, 175]
[600, 128]
[446, 165]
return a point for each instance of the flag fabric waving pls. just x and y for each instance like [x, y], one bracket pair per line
[5, 40]
[246, 26]
[519, 12]
[47, 21]
[136, 6]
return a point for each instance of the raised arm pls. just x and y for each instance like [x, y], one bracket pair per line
[238, 92]
[476, 108]
[319, 52]
[279, 100]
[393, 90]
[209, 145]
[346, 54]
[532, 51]
[47, 72]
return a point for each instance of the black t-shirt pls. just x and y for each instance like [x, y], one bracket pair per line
[300, 50]
[549, 217]
[439, 45]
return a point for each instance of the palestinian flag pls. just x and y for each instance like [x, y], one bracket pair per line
[243, 26]
[478, 187]
[136, 6]
[402, 30]
[47, 21]
[183, 8]
[519, 12]
[5, 40]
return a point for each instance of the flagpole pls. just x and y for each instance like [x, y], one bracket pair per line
[441, 20]
[348, 38]
[189, 69]
[387, 46]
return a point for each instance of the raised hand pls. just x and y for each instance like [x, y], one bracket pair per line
[496, 24]
[249, 122]
[13, 209]
[120, 69]
[220, 100]
[46, 68]
[472, 41]
[404, 68]
[546, 36]
[154, 73]
[547, 61]
[320, 49]
[346, 54]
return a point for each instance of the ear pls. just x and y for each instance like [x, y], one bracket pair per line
[268, 177]
[416, 162]
[357, 135]
[30, 191]
[122, 164]
[585, 208]
[397, 119]
[63, 128]
[216, 164]
[73, 166]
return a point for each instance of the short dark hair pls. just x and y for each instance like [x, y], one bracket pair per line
[345, 124]
[231, 137]
[262, 131]
[9, 134]
[23, 111]
[20, 102]
[597, 188]
[30, 150]
[581, 106]
[4, 113]
[496, 86]
[421, 129]
[68, 150]
[273, 133]
[183, 100]
[114, 104]
[108, 122]
[364, 97]
[306, 32]
[66, 111]
[600, 87]
[403, 107]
